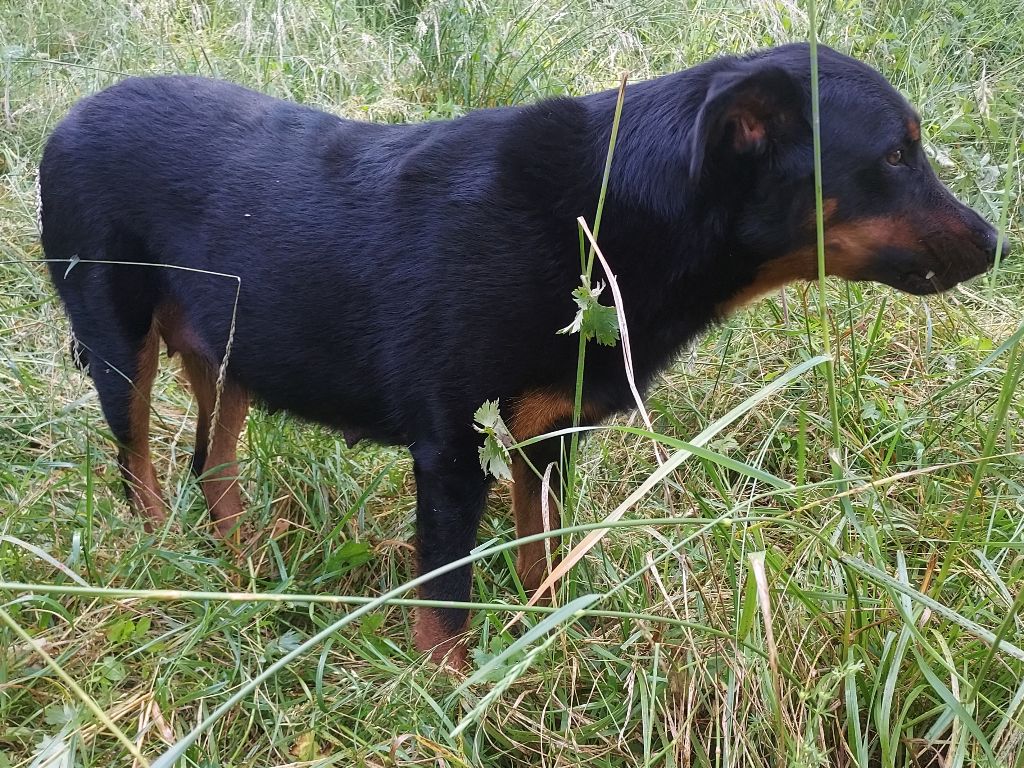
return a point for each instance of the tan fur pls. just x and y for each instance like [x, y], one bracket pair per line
[138, 464]
[220, 470]
[447, 647]
[527, 490]
[202, 379]
[176, 333]
[849, 248]
[535, 413]
[541, 410]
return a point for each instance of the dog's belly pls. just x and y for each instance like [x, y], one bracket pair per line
[341, 417]
[353, 433]
[289, 365]
[329, 396]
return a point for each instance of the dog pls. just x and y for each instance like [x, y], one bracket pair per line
[387, 280]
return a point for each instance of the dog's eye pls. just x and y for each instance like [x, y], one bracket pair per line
[895, 157]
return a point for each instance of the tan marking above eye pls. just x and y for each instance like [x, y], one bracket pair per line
[829, 206]
[913, 130]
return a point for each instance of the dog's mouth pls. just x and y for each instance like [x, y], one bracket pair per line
[936, 269]
[924, 285]
[930, 282]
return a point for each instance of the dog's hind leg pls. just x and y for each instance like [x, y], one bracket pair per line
[111, 305]
[217, 467]
[123, 370]
[202, 379]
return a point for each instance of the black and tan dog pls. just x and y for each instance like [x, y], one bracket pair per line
[393, 278]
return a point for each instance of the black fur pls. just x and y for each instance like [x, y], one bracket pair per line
[394, 277]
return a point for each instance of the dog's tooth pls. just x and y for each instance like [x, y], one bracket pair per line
[930, 275]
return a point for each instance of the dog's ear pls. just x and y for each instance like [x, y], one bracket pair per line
[744, 112]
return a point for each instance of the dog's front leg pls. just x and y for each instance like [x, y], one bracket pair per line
[451, 490]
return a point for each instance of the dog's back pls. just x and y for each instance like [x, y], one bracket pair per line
[360, 250]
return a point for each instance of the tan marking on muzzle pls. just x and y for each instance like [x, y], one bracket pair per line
[849, 248]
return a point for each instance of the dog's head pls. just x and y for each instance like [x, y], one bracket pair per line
[888, 218]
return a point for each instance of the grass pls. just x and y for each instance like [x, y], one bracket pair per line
[874, 620]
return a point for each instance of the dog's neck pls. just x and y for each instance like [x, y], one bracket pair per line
[665, 238]
[654, 221]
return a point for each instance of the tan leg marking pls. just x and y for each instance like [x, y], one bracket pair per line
[202, 380]
[445, 646]
[541, 410]
[137, 463]
[217, 466]
[527, 506]
[536, 413]
[220, 472]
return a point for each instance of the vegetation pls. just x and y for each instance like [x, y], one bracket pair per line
[873, 620]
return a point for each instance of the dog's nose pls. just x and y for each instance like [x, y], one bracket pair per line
[994, 247]
[1004, 249]
[1001, 250]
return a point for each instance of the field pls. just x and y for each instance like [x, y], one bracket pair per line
[869, 611]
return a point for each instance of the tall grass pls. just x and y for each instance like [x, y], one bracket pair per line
[750, 609]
